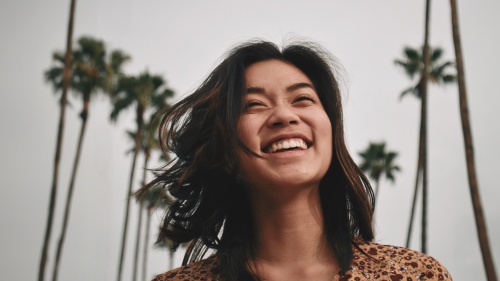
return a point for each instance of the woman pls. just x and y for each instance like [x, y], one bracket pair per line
[263, 177]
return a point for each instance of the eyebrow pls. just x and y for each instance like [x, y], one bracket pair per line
[293, 87]
[297, 86]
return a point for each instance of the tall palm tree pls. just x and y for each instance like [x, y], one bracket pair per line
[154, 198]
[62, 113]
[140, 215]
[413, 64]
[144, 91]
[469, 150]
[149, 144]
[423, 125]
[378, 162]
[89, 75]
[86, 79]
[420, 90]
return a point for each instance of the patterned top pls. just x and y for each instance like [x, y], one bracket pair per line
[386, 263]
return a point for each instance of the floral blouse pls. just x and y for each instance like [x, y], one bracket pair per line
[387, 263]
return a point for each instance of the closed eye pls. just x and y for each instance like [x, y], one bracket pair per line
[304, 100]
[254, 103]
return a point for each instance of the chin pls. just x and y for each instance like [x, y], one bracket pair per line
[289, 181]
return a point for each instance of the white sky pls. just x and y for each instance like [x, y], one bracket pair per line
[183, 40]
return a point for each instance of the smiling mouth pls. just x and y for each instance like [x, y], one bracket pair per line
[287, 145]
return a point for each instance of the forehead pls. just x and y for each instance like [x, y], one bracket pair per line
[274, 73]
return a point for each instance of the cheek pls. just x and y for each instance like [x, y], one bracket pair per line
[246, 132]
[326, 128]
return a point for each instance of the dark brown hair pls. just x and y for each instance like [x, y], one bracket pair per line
[211, 208]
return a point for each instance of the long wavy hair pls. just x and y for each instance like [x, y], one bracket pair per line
[211, 207]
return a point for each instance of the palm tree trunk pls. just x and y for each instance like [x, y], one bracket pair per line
[139, 223]
[84, 117]
[146, 244]
[376, 193]
[376, 190]
[423, 135]
[129, 191]
[415, 195]
[62, 113]
[171, 261]
[469, 151]
[138, 241]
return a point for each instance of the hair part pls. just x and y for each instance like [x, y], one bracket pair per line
[201, 130]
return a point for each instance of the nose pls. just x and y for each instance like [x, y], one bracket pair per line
[282, 116]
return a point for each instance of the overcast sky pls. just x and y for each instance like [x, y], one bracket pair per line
[183, 41]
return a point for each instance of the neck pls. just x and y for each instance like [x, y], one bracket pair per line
[289, 231]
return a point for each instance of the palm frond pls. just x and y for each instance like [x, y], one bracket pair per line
[156, 196]
[438, 72]
[54, 76]
[58, 57]
[410, 68]
[117, 59]
[435, 54]
[412, 54]
[119, 106]
[449, 78]
[414, 90]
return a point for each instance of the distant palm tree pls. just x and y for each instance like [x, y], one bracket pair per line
[89, 76]
[149, 144]
[378, 163]
[146, 92]
[469, 151]
[154, 198]
[414, 65]
[60, 129]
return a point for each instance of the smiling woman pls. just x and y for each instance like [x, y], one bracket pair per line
[263, 177]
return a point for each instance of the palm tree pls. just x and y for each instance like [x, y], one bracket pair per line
[140, 215]
[90, 75]
[86, 79]
[149, 144]
[62, 113]
[377, 163]
[154, 198]
[420, 90]
[144, 91]
[413, 64]
[469, 150]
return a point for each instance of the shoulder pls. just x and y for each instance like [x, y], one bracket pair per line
[207, 270]
[395, 263]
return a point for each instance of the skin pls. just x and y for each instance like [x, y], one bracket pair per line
[281, 103]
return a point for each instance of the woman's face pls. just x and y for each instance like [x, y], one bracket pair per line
[285, 123]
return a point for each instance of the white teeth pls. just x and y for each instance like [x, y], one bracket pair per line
[286, 144]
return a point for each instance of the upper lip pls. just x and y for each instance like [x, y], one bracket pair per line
[286, 136]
